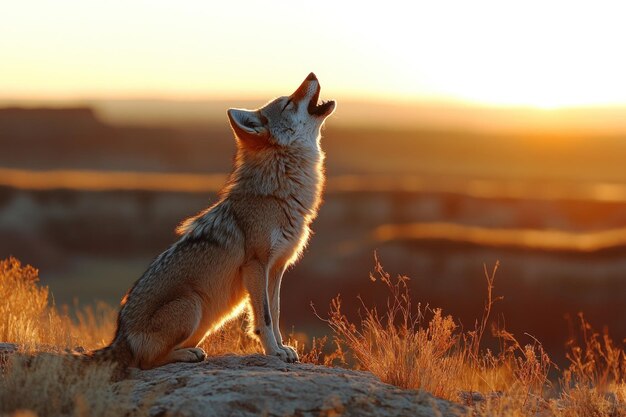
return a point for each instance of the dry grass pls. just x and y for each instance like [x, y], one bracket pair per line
[231, 338]
[405, 344]
[39, 380]
[396, 347]
[418, 347]
[54, 385]
[25, 316]
[595, 382]
[28, 318]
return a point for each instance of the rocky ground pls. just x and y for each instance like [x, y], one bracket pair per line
[258, 385]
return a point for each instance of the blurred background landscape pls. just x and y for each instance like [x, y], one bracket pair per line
[517, 158]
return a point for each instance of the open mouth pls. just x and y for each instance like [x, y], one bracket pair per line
[321, 109]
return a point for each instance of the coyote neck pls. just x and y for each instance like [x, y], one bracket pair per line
[293, 176]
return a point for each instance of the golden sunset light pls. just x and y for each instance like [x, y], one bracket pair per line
[541, 54]
[312, 208]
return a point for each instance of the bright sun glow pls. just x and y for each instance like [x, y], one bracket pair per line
[543, 54]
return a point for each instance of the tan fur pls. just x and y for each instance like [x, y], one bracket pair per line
[236, 251]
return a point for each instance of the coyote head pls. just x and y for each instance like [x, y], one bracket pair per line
[294, 120]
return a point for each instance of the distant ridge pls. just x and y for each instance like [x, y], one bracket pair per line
[18, 115]
[379, 113]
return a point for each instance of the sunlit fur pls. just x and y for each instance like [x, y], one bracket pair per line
[237, 249]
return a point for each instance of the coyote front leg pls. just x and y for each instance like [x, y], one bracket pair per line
[275, 279]
[255, 280]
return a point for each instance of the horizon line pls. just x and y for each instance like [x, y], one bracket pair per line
[382, 100]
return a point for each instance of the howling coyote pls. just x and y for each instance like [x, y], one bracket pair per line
[234, 253]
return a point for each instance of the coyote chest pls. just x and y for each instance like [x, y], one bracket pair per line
[288, 238]
[282, 246]
[287, 245]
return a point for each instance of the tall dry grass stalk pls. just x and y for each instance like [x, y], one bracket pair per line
[407, 345]
[595, 382]
[397, 347]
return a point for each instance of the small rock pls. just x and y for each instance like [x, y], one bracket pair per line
[6, 349]
[471, 397]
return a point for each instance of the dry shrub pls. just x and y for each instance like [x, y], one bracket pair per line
[399, 346]
[29, 319]
[25, 316]
[421, 348]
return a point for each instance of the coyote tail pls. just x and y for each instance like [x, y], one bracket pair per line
[117, 353]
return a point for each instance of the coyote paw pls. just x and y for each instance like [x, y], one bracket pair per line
[291, 353]
[190, 355]
[287, 354]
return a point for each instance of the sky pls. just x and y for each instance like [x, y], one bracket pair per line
[545, 54]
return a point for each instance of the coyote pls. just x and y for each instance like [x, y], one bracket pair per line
[234, 253]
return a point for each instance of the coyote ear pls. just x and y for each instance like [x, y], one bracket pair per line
[249, 126]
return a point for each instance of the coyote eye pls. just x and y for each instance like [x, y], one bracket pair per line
[288, 102]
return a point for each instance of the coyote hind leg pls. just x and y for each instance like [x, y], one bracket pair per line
[158, 342]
